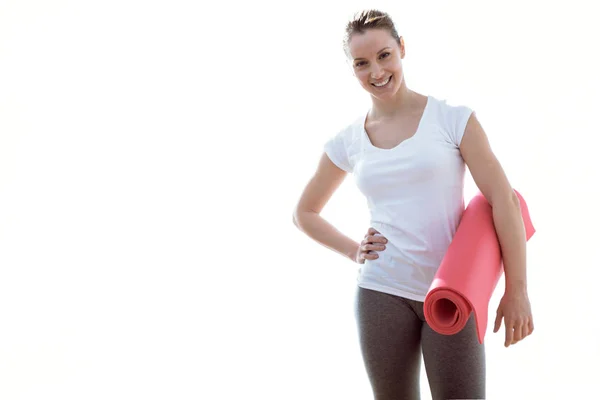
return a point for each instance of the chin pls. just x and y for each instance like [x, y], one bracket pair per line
[389, 94]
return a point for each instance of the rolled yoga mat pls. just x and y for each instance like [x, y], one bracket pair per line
[469, 272]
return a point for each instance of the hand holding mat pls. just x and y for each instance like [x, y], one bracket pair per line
[469, 271]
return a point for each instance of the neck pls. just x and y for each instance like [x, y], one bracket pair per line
[391, 107]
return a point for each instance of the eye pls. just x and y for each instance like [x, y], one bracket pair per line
[385, 55]
[359, 64]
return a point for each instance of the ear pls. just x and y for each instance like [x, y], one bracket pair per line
[402, 47]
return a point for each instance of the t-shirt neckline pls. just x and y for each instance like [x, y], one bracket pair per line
[399, 145]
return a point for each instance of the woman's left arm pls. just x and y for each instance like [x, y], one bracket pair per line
[491, 180]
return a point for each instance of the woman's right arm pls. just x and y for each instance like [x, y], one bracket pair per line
[325, 181]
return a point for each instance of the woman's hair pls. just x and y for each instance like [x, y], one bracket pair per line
[368, 19]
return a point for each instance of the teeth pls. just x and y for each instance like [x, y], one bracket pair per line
[383, 83]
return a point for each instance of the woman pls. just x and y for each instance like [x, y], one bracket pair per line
[408, 154]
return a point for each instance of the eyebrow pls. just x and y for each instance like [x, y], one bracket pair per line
[385, 48]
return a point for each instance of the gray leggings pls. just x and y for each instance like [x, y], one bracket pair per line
[392, 332]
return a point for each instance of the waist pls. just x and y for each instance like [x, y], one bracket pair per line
[416, 243]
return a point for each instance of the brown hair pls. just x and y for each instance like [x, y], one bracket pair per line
[368, 19]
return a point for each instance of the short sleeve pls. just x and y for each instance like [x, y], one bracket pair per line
[457, 118]
[337, 149]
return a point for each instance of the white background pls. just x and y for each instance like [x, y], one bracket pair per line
[151, 155]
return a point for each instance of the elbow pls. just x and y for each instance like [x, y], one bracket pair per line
[298, 218]
[514, 200]
[295, 218]
[508, 202]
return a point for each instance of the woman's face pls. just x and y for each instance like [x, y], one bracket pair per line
[377, 62]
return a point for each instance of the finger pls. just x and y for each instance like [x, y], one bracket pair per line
[371, 256]
[375, 247]
[509, 332]
[498, 321]
[525, 331]
[518, 332]
[364, 248]
[376, 239]
[361, 258]
[371, 231]
[530, 326]
[367, 248]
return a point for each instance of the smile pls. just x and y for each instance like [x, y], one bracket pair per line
[382, 84]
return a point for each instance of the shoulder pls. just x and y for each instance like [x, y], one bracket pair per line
[449, 108]
[343, 147]
[452, 116]
[350, 131]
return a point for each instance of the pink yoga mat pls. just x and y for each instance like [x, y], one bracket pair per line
[469, 271]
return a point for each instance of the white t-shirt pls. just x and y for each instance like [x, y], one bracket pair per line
[414, 192]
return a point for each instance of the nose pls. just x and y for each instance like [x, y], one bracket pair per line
[376, 72]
